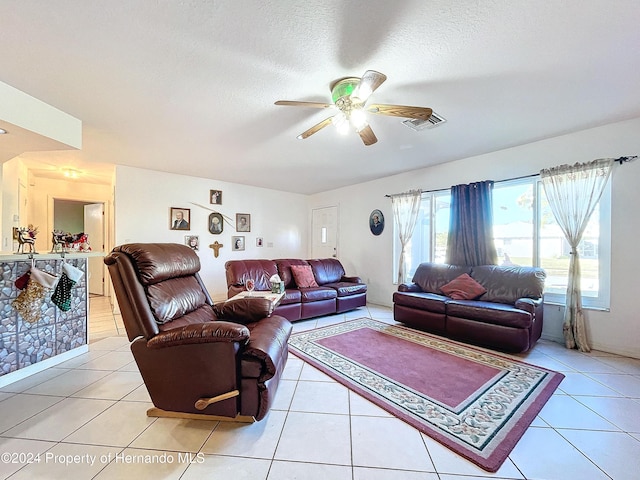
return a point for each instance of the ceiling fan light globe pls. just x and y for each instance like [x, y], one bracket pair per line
[358, 119]
[343, 128]
[362, 93]
[341, 123]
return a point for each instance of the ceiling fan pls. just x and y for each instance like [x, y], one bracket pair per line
[350, 95]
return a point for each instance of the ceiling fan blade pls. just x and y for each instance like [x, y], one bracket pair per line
[369, 82]
[423, 113]
[315, 128]
[293, 103]
[367, 136]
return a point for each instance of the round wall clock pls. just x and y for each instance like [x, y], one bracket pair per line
[376, 222]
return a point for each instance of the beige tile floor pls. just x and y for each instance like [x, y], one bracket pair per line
[86, 419]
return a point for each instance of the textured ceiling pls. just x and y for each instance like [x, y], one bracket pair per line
[188, 86]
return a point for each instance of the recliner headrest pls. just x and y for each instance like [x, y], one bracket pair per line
[157, 262]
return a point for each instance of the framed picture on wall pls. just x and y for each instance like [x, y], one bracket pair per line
[376, 222]
[192, 241]
[237, 243]
[215, 197]
[216, 223]
[243, 222]
[180, 218]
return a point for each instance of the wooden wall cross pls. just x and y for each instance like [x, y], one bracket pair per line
[216, 248]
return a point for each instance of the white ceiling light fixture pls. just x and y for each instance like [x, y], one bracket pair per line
[3, 131]
[71, 173]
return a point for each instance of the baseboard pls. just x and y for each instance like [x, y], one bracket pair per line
[25, 372]
[601, 347]
[615, 349]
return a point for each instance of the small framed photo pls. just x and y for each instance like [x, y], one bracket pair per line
[259, 242]
[192, 241]
[216, 223]
[180, 218]
[215, 197]
[243, 222]
[237, 243]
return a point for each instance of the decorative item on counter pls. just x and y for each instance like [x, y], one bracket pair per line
[62, 294]
[26, 236]
[29, 302]
[65, 241]
[58, 241]
[277, 285]
[216, 246]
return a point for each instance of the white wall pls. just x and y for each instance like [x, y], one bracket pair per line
[27, 112]
[13, 174]
[144, 198]
[370, 257]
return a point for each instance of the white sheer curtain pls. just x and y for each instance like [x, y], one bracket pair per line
[573, 192]
[405, 213]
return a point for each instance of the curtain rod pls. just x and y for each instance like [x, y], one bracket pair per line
[621, 160]
[497, 181]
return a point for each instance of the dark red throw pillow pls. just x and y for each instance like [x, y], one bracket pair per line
[463, 288]
[303, 275]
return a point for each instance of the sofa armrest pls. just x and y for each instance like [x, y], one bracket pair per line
[200, 333]
[244, 310]
[354, 279]
[268, 344]
[409, 287]
[530, 305]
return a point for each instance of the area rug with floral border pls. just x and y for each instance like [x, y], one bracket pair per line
[476, 402]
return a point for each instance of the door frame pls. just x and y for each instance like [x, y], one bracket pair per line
[337, 246]
[105, 229]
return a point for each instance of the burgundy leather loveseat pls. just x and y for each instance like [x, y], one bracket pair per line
[507, 316]
[336, 292]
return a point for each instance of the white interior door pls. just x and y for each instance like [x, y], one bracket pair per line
[324, 232]
[94, 228]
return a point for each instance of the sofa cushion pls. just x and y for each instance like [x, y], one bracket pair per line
[238, 271]
[432, 276]
[291, 295]
[284, 270]
[315, 294]
[175, 297]
[489, 312]
[508, 284]
[431, 302]
[327, 270]
[303, 276]
[463, 288]
[345, 289]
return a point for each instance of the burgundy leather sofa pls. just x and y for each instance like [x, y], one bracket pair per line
[197, 359]
[336, 292]
[507, 317]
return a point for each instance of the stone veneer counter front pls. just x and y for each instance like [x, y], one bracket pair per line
[25, 347]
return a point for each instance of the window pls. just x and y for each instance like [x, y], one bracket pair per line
[429, 240]
[525, 233]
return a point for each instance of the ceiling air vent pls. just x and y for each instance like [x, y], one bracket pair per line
[417, 124]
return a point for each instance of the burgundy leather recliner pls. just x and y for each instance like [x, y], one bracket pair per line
[197, 359]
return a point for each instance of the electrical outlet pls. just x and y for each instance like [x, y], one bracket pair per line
[270, 244]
